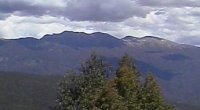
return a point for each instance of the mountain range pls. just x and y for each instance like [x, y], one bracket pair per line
[176, 66]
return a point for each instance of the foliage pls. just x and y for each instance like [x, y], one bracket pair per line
[82, 92]
[152, 98]
[127, 83]
[94, 79]
[69, 92]
[92, 90]
[109, 98]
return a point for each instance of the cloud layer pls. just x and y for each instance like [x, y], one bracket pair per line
[171, 19]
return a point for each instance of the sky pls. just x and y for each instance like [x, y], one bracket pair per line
[176, 20]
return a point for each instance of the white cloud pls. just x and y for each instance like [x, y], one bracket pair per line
[15, 26]
[56, 3]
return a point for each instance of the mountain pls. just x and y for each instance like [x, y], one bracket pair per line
[80, 39]
[175, 65]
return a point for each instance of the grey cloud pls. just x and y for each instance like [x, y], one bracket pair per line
[170, 3]
[8, 6]
[3, 16]
[77, 10]
[195, 12]
[193, 40]
[103, 10]
[25, 8]
[160, 12]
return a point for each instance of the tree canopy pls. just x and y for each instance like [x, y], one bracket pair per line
[90, 89]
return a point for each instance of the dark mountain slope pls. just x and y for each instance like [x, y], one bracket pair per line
[27, 92]
[80, 39]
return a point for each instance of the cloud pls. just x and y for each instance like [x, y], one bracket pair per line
[3, 16]
[15, 26]
[103, 10]
[28, 8]
[8, 6]
[189, 40]
[170, 3]
[173, 24]
[75, 10]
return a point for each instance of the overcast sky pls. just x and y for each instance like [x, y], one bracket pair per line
[176, 20]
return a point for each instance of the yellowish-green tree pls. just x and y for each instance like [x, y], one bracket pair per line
[127, 83]
[109, 98]
[152, 98]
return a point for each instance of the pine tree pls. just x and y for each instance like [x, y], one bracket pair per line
[69, 92]
[92, 90]
[127, 83]
[109, 98]
[94, 76]
[152, 98]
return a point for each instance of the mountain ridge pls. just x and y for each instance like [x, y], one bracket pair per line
[92, 35]
[58, 53]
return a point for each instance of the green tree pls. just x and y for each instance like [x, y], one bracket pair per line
[81, 91]
[127, 83]
[109, 98]
[92, 90]
[94, 79]
[152, 98]
[69, 92]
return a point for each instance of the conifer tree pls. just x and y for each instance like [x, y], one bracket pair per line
[94, 79]
[152, 97]
[92, 90]
[127, 83]
[69, 92]
[109, 98]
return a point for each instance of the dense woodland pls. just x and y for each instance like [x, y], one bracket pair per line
[92, 89]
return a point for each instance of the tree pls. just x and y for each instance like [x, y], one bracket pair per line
[80, 91]
[92, 90]
[127, 83]
[69, 92]
[94, 79]
[152, 98]
[109, 98]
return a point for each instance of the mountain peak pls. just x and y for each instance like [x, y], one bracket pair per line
[132, 38]
[149, 41]
[81, 39]
[73, 32]
[129, 38]
[77, 34]
[152, 37]
[65, 34]
[100, 33]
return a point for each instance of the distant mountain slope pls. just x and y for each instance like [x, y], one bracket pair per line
[80, 39]
[27, 91]
[176, 65]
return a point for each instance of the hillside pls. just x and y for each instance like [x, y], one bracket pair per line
[175, 65]
[27, 92]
